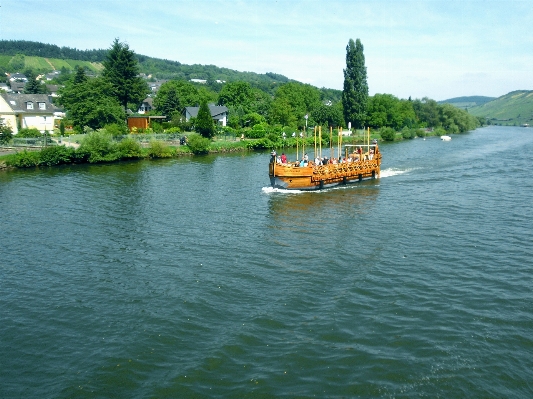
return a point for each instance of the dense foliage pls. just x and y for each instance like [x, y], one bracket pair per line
[88, 102]
[257, 110]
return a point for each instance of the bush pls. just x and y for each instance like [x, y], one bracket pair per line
[439, 131]
[56, 155]
[387, 133]
[408, 133]
[198, 144]
[6, 134]
[159, 149]
[29, 133]
[24, 159]
[129, 148]
[97, 147]
[116, 129]
[257, 132]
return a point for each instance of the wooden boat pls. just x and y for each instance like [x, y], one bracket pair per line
[292, 176]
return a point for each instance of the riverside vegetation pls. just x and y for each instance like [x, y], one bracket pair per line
[96, 107]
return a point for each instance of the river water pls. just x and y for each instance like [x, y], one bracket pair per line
[191, 278]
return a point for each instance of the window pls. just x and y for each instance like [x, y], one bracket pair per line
[29, 105]
[42, 106]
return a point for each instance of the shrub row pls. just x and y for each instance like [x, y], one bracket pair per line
[96, 147]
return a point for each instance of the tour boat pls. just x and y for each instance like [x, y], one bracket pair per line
[445, 138]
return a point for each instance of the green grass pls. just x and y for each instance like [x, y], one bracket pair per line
[4, 60]
[58, 64]
[38, 63]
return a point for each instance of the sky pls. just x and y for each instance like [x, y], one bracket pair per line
[432, 48]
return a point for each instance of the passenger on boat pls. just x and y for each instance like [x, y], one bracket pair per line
[306, 158]
[278, 159]
[283, 158]
[371, 154]
[318, 161]
[273, 157]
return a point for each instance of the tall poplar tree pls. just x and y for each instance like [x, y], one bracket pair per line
[121, 70]
[355, 90]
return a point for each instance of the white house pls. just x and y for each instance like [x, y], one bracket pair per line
[218, 112]
[27, 111]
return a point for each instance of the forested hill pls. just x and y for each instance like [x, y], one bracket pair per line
[514, 109]
[467, 101]
[158, 68]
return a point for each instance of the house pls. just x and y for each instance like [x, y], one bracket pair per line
[17, 77]
[17, 86]
[218, 112]
[52, 89]
[154, 86]
[146, 105]
[27, 111]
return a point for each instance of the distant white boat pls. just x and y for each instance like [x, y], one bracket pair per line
[445, 138]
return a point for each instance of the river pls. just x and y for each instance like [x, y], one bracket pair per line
[190, 277]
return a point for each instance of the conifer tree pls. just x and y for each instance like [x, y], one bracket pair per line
[204, 122]
[355, 90]
[121, 70]
[33, 86]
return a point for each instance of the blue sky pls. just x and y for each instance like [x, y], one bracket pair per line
[439, 49]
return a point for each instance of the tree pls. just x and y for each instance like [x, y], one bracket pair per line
[236, 93]
[204, 122]
[355, 90]
[88, 103]
[186, 93]
[33, 86]
[121, 71]
[171, 104]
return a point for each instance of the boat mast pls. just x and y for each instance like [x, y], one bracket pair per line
[315, 141]
[330, 142]
[320, 140]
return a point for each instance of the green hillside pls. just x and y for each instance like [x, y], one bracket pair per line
[41, 64]
[43, 58]
[512, 109]
[467, 102]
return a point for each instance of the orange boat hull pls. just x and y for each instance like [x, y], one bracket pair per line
[313, 177]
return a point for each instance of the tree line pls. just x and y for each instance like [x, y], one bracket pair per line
[96, 102]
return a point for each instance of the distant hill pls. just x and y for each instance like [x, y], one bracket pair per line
[47, 57]
[514, 109]
[468, 102]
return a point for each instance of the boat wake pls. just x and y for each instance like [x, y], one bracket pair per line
[392, 172]
[270, 190]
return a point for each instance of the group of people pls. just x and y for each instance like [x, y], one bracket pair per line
[356, 156]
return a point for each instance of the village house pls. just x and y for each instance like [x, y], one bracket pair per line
[219, 113]
[146, 105]
[27, 111]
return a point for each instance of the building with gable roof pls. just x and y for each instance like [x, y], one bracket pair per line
[219, 113]
[27, 111]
